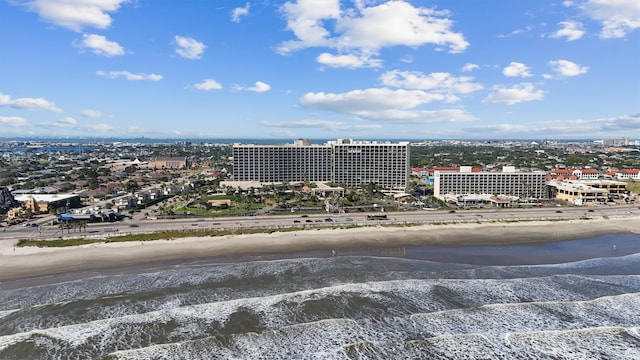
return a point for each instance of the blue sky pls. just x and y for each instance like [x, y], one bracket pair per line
[490, 69]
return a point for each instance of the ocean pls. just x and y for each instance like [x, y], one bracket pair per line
[567, 300]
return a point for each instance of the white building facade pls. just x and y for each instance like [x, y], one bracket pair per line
[344, 161]
[526, 185]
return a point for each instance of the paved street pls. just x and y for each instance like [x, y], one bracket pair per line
[9, 235]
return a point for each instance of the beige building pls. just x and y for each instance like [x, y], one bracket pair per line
[169, 163]
[612, 186]
[43, 203]
[579, 194]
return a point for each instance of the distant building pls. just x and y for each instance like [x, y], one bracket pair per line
[121, 165]
[616, 142]
[525, 185]
[627, 174]
[168, 163]
[344, 161]
[573, 174]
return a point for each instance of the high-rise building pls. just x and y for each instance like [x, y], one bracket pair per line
[508, 182]
[344, 161]
[300, 161]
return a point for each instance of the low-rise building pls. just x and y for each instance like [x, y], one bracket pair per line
[612, 186]
[579, 193]
[573, 174]
[44, 203]
[168, 163]
[126, 202]
[627, 174]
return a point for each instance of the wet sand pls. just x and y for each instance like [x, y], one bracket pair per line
[28, 262]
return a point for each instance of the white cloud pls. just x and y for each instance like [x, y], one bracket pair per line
[348, 61]
[384, 104]
[100, 127]
[13, 121]
[513, 95]
[208, 85]
[363, 31]
[29, 103]
[566, 68]
[572, 128]
[407, 59]
[68, 121]
[259, 87]
[368, 100]
[401, 116]
[438, 82]
[72, 124]
[516, 69]
[571, 30]
[498, 130]
[398, 23]
[238, 12]
[320, 124]
[92, 113]
[99, 45]
[129, 76]
[618, 17]
[469, 67]
[526, 29]
[189, 48]
[625, 123]
[305, 18]
[76, 14]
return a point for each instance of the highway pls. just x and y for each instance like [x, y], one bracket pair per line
[140, 225]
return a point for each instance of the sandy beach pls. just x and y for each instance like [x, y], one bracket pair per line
[30, 261]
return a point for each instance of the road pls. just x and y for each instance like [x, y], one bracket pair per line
[137, 225]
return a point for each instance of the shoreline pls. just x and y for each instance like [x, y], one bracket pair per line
[17, 263]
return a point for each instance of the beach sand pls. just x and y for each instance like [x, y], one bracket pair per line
[25, 262]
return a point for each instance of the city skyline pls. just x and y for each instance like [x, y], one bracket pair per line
[320, 69]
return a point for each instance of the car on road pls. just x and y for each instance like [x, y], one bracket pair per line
[348, 219]
[328, 220]
[308, 220]
[296, 221]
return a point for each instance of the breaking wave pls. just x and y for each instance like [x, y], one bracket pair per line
[351, 307]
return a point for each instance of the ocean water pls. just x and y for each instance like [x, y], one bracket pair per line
[570, 300]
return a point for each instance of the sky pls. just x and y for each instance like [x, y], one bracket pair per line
[320, 69]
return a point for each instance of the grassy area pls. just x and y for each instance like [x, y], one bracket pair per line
[165, 235]
[171, 235]
[633, 186]
[57, 243]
